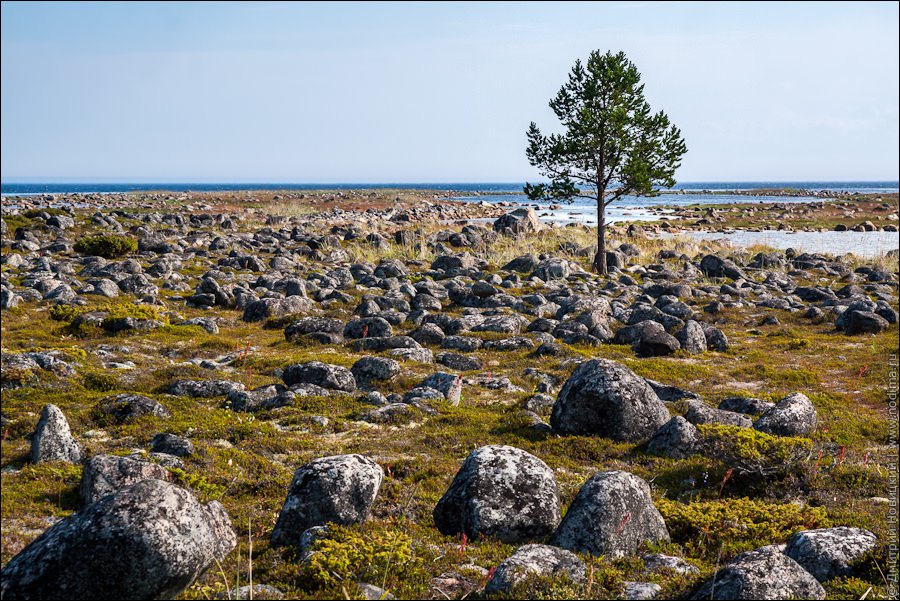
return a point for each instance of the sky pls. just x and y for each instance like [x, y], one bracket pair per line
[433, 92]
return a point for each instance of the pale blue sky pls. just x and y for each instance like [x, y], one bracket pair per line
[434, 92]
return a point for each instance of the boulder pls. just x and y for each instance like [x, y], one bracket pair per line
[535, 560]
[502, 492]
[764, 573]
[374, 369]
[52, 440]
[612, 515]
[331, 377]
[605, 398]
[676, 439]
[150, 540]
[268, 308]
[864, 322]
[203, 388]
[339, 489]
[700, 413]
[105, 474]
[519, 221]
[691, 337]
[829, 553]
[171, 444]
[794, 415]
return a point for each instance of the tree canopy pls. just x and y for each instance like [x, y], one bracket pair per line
[613, 144]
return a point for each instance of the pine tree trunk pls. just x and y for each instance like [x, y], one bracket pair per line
[600, 257]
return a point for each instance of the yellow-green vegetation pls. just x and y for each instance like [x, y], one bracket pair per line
[723, 528]
[749, 451]
[108, 246]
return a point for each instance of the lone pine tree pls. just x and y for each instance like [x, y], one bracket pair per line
[612, 145]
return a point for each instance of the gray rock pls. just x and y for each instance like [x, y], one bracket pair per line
[267, 308]
[692, 338]
[372, 369]
[747, 405]
[700, 413]
[676, 439]
[331, 377]
[605, 398]
[794, 415]
[52, 440]
[612, 515]
[368, 327]
[126, 407]
[639, 591]
[864, 322]
[314, 325]
[105, 474]
[459, 362]
[391, 413]
[339, 489]
[150, 540]
[171, 444]
[657, 562]
[502, 492]
[716, 267]
[765, 573]
[372, 592]
[207, 323]
[828, 553]
[535, 560]
[519, 221]
[669, 393]
[203, 388]
[449, 385]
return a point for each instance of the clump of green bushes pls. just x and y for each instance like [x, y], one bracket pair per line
[108, 246]
[749, 451]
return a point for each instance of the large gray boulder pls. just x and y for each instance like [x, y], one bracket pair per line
[339, 489]
[52, 440]
[827, 553]
[535, 560]
[612, 515]
[794, 415]
[150, 540]
[765, 573]
[864, 322]
[105, 474]
[503, 492]
[519, 221]
[605, 398]
[331, 377]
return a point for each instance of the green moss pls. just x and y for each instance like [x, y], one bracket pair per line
[100, 381]
[723, 528]
[346, 555]
[205, 489]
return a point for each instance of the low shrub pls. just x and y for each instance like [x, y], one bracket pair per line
[749, 451]
[108, 246]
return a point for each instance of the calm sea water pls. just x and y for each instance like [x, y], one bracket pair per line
[462, 189]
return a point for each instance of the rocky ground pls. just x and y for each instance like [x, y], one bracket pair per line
[363, 393]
